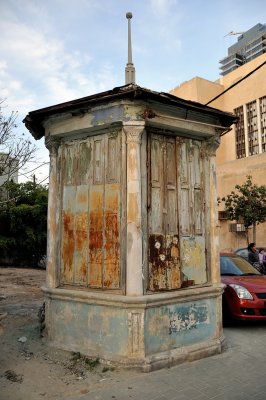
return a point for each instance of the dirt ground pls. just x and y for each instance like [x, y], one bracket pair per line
[30, 369]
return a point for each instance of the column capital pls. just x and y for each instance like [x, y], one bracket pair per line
[134, 130]
[212, 144]
[52, 144]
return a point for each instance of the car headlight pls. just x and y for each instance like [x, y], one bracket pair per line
[241, 292]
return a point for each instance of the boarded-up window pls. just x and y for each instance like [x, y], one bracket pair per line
[90, 250]
[175, 213]
[164, 266]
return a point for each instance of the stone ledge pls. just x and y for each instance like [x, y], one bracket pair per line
[147, 301]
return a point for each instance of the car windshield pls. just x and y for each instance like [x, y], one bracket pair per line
[236, 266]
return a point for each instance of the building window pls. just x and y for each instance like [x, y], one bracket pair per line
[263, 123]
[253, 143]
[240, 133]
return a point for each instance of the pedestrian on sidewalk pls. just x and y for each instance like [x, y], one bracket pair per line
[253, 255]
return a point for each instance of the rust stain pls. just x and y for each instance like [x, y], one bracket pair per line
[111, 261]
[81, 246]
[82, 271]
[81, 231]
[82, 198]
[95, 248]
[96, 236]
[96, 200]
[68, 246]
[112, 197]
[95, 275]
[164, 263]
[111, 275]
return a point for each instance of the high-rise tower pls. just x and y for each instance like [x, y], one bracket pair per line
[250, 44]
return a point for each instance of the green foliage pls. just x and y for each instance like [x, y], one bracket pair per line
[23, 222]
[248, 205]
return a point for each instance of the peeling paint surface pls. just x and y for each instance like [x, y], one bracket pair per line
[175, 326]
[193, 259]
[91, 329]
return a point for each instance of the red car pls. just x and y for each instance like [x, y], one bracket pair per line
[244, 296]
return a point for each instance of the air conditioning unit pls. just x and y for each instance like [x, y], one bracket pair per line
[237, 227]
[222, 215]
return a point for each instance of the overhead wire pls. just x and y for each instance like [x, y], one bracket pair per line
[236, 83]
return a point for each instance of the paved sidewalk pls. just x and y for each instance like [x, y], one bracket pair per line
[239, 373]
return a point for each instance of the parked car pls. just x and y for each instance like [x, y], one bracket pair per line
[244, 296]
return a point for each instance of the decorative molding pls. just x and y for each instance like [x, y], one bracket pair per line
[52, 144]
[134, 132]
[212, 144]
[135, 328]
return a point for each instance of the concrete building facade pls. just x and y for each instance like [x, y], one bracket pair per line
[243, 148]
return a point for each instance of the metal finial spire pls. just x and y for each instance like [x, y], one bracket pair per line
[130, 69]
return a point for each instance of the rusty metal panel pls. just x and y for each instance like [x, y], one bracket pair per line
[96, 235]
[112, 215]
[81, 235]
[90, 244]
[164, 263]
[111, 270]
[68, 234]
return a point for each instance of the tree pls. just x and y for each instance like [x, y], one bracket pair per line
[23, 224]
[15, 150]
[247, 206]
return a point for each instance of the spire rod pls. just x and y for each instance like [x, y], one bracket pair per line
[130, 69]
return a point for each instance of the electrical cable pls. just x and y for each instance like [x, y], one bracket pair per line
[236, 83]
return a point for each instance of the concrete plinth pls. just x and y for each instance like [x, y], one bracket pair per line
[146, 332]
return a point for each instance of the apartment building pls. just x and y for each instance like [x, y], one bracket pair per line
[242, 151]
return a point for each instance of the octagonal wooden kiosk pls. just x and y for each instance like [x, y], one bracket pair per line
[133, 264]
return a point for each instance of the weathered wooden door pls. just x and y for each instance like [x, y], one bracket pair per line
[164, 260]
[91, 212]
[175, 213]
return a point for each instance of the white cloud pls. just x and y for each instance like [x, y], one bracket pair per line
[162, 7]
[45, 66]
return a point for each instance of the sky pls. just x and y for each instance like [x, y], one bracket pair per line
[54, 51]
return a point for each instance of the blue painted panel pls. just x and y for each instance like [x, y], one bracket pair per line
[90, 329]
[174, 326]
[108, 115]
